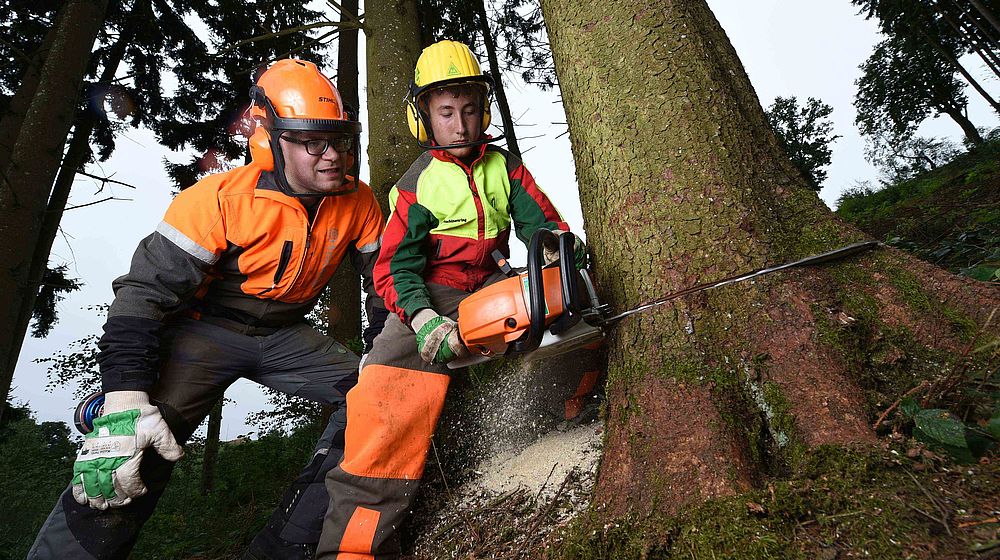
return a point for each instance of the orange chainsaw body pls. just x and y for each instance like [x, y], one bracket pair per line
[497, 315]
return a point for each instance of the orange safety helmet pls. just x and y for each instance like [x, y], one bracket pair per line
[443, 64]
[294, 95]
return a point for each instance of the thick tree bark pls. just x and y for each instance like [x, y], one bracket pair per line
[34, 161]
[682, 181]
[491, 54]
[392, 34]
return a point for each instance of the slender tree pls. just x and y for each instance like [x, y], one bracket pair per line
[491, 54]
[681, 181]
[901, 85]
[920, 24]
[77, 154]
[344, 312]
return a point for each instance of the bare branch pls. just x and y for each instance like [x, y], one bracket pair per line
[291, 52]
[289, 31]
[95, 202]
[104, 180]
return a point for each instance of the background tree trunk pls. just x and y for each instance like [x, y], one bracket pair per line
[392, 34]
[211, 456]
[491, 53]
[345, 305]
[682, 181]
[76, 157]
[27, 179]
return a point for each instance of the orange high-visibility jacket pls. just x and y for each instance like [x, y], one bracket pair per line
[233, 245]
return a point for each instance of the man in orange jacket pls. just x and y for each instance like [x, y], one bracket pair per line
[220, 291]
[455, 205]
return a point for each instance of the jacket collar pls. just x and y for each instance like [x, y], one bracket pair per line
[443, 155]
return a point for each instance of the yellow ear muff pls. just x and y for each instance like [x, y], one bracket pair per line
[417, 127]
[486, 115]
[260, 149]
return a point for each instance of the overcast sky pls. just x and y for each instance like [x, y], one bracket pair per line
[805, 49]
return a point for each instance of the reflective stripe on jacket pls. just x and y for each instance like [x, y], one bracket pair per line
[233, 242]
[446, 220]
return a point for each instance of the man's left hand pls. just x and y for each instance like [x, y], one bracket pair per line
[551, 254]
[437, 338]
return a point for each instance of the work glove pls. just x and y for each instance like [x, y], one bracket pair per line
[106, 471]
[550, 251]
[437, 337]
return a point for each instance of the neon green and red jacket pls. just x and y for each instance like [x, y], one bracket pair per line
[446, 220]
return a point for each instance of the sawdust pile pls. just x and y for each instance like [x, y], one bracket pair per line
[527, 472]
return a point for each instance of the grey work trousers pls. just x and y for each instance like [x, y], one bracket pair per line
[202, 360]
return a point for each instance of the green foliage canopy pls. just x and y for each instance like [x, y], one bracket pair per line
[806, 133]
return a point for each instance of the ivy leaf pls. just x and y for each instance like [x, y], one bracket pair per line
[942, 427]
[982, 273]
[909, 407]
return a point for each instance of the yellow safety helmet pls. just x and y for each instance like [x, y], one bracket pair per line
[445, 63]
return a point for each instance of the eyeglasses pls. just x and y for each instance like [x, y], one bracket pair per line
[318, 146]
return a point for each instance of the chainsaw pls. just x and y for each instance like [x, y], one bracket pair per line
[544, 311]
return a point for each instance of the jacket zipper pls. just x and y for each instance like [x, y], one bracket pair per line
[481, 213]
[305, 253]
[286, 256]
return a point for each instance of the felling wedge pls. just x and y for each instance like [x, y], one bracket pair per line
[547, 311]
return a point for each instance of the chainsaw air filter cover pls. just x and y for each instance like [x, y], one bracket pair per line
[494, 317]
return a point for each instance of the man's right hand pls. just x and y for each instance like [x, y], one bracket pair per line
[438, 341]
[106, 471]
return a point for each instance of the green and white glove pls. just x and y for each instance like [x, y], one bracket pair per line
[550, 254]
[106, 471]
[437, 337]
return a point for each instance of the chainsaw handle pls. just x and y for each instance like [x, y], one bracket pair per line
[536, 292]
[568, 274]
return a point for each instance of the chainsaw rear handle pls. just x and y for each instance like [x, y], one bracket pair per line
[536, 286]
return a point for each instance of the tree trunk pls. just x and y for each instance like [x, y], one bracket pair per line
[961, 70]
[76, 156]
[987, 14]
[393, 44]
[985, 52]
[345, 305]
[972, 135]
[682, 181]
[491, 54]
[211, 456]
[35, 157]
[13, 116]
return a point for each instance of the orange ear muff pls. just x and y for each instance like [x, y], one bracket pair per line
[260, 149]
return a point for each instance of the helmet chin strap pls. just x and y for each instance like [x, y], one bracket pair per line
[282, 181]
[482, 140]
